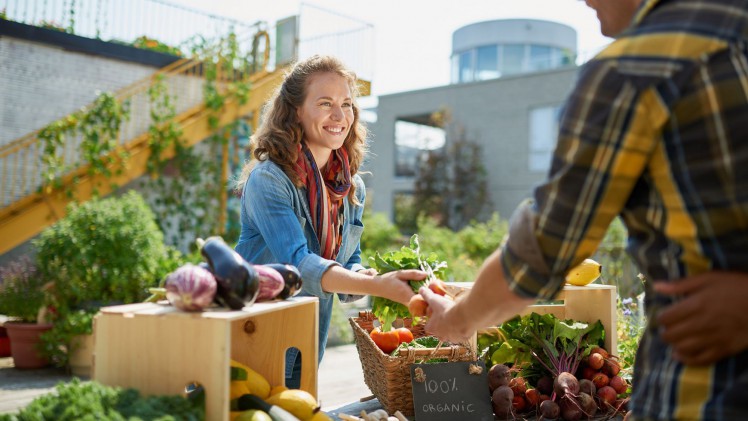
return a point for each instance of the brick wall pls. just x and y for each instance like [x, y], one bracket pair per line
[41, 83]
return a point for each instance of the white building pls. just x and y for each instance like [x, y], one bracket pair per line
[509, 80]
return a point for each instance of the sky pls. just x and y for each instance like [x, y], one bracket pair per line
[412, 39]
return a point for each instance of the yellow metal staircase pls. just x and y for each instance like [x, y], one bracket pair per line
[27, 207]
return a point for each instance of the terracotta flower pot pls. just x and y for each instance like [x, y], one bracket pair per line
[4, 343]
[24, 338]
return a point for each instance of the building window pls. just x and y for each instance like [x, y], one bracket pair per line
[487, 63]
[413, 140]
[466, 66]
[540, 58]
[512, 59]
[543, 133]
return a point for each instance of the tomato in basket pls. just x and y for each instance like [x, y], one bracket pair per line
[386, 341]
[404, 334]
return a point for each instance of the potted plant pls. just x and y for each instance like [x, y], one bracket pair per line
[21, 298]
[103, 252]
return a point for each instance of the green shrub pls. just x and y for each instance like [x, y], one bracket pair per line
[94, 401]
[465, 250]
[104, 252]
[379, 235]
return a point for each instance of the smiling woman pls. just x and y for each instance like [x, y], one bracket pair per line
[302, 198]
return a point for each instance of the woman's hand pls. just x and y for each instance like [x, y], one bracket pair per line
[709, 322]
[395, 286]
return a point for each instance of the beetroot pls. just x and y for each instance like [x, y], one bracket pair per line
[607, 396]
[588, 405]
[566, 383]
[619, 384]
[545, 385]
[600, 351]
[588, 373]
[596, 361]
[600, 380]
[611, 367]
[190, 288]
[518, 386]
[498, 375]
[570, 409]
[549, 409]
[586, 386]
[501, 400]
[519, 404]
[533, 397]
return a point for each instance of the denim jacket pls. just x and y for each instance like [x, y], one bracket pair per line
[277, 228]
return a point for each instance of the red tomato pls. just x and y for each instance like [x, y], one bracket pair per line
[386, 341]
[405, 334]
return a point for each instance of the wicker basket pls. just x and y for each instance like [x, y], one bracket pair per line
[388, 377]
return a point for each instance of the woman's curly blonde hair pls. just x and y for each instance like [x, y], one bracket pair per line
[280, 133]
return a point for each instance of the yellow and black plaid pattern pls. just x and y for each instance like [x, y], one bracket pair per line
[656, 130]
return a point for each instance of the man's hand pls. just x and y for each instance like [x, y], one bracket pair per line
[710, 321]
[444, 320]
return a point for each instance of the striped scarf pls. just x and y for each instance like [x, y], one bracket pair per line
[325, 200]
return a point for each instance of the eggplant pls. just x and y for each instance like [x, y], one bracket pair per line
[190, 288]
[224, 296]
[291, 278]
[271, 283]
[237, 281]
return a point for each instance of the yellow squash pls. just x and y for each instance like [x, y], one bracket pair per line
[298, 402]
[584, 273]
[257, 384]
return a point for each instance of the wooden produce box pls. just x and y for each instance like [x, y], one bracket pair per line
[585, 304]
[159, 349]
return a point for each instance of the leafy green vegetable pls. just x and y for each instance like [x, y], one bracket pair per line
[422, 342]
[387, 311]
[93, 401]
[540, 344]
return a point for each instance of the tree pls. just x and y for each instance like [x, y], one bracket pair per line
[451, 184]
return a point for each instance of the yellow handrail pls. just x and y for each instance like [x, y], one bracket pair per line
[21, 160]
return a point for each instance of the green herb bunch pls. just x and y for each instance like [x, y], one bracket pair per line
[387, 311]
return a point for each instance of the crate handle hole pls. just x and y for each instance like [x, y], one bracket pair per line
[195, 392]
[294, 381]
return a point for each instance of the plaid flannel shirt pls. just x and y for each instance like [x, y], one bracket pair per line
[656, 131]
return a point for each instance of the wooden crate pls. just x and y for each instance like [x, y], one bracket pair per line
[585, 304]
[158, 349]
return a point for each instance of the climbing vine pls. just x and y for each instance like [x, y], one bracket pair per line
[184, 190]
[96, 128]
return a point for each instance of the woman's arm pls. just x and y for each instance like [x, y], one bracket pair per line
[391, 285]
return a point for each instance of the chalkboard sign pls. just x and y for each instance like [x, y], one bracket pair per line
[451, 391]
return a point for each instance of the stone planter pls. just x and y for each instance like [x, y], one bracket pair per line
[81, 355]
[24, 338]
